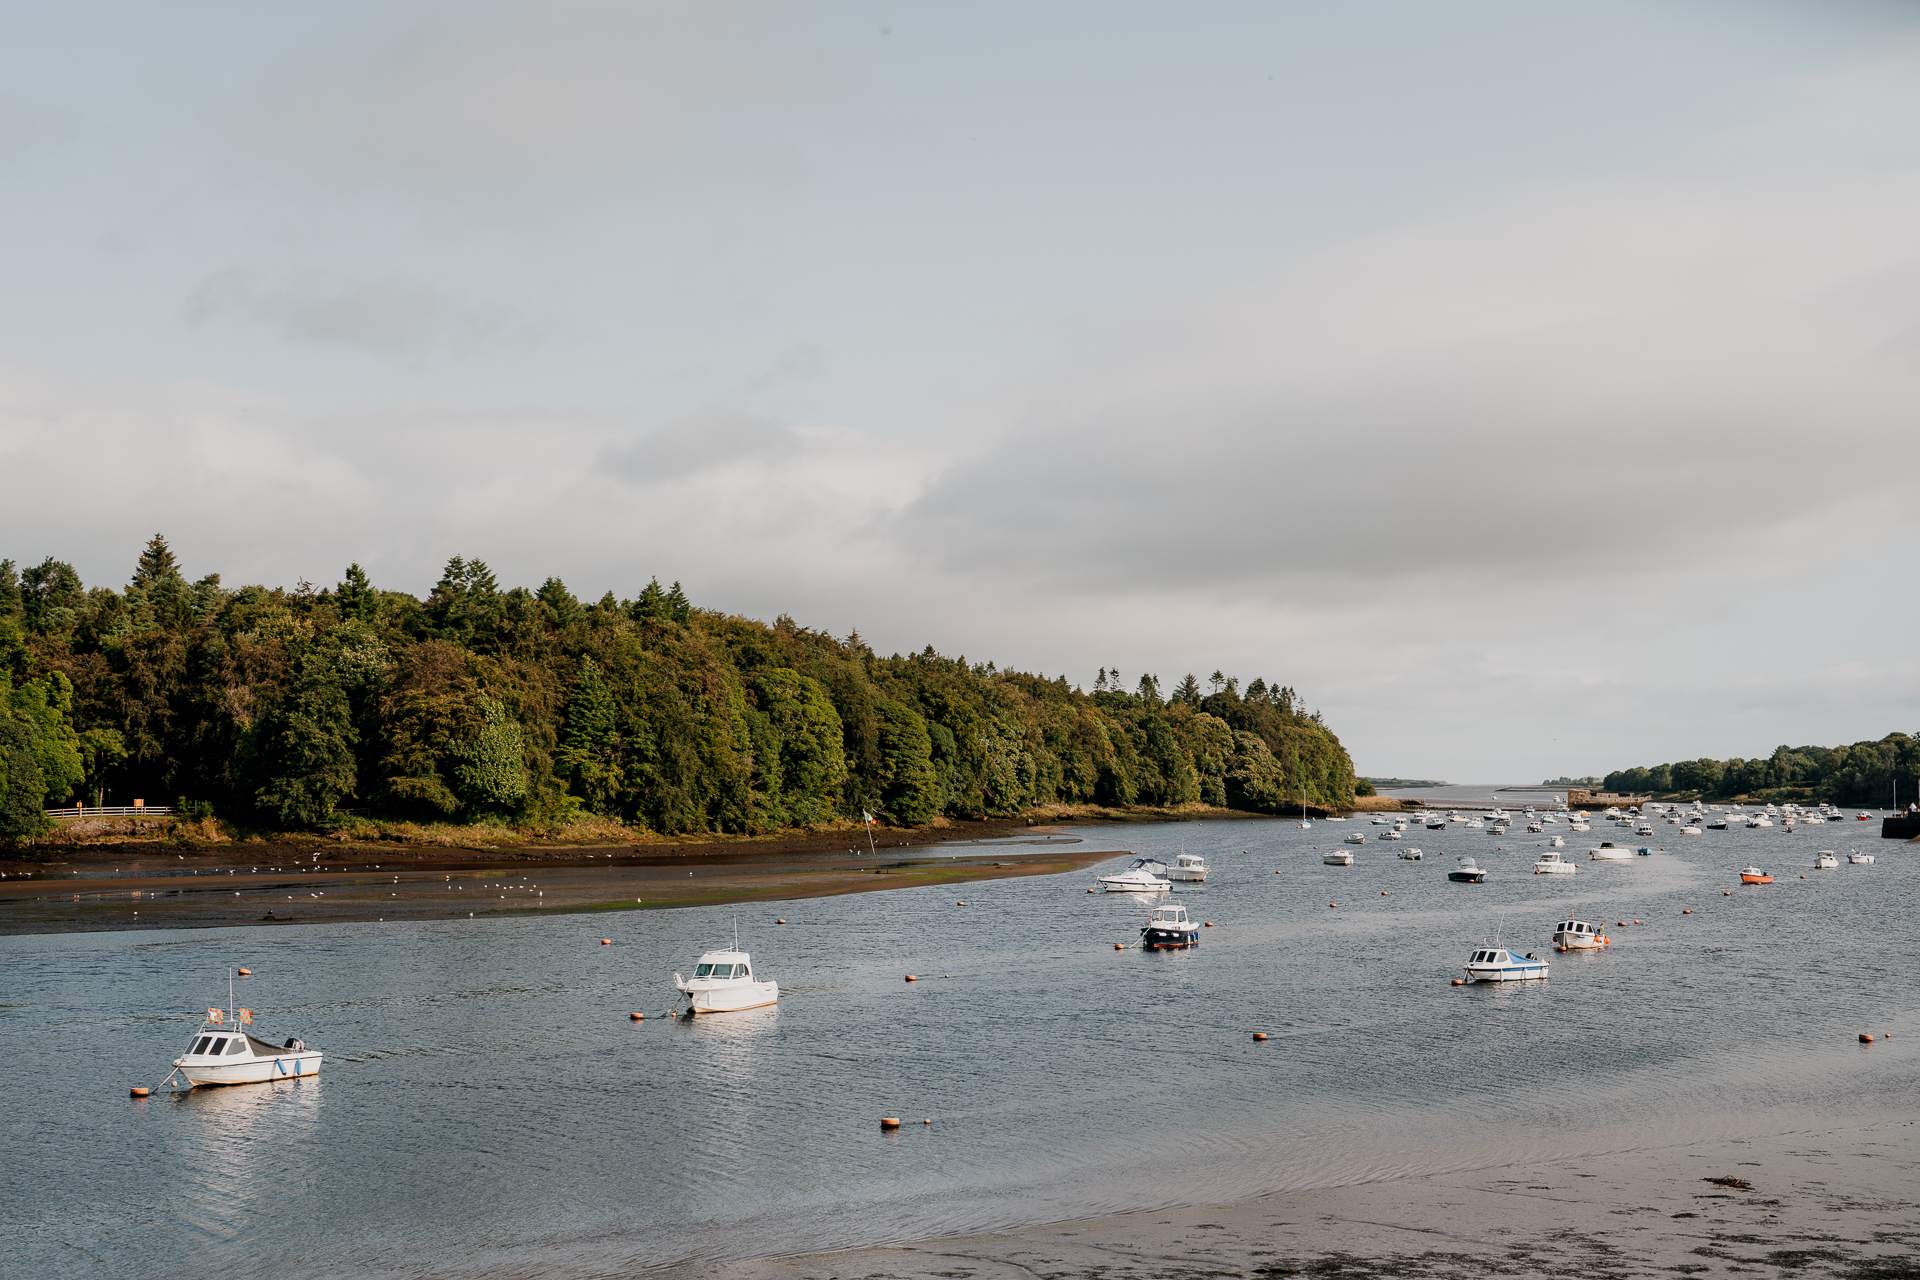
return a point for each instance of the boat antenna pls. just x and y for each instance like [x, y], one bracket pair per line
[736, 931]
[230, 1021]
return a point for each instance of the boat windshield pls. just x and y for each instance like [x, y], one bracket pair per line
[704, 971]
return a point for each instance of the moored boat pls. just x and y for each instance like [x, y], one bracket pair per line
[1169, 926]
[723, 982]
[1609, 852]
[1337, 858]
[1552, 864]
[1578, 935]
[1411, 855]
[1754, 875]
[1860, 859]
[1467, 872]
[1501, 964]
[1188, 866]
[1825, 860]
[224, 1051]
[1355, 837]
[1146, 875]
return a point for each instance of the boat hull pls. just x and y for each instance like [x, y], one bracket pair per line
[1337, 859]
[1467, 877]
[733, 999]
[1158, 939]
[287, 1066]
[1746, 879]
[1506, 973]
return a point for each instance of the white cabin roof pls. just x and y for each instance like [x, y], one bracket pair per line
[725, 957]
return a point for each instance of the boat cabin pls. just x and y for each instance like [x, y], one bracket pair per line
[722, 966]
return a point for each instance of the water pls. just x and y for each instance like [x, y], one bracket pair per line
[487, 1108]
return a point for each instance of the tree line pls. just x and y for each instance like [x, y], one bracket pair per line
[284, 708]
[1861, 774]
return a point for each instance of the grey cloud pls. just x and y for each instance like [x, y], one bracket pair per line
[23, 127]
[704, 440]
[1529, 391]
[517, 90]
[392, 319]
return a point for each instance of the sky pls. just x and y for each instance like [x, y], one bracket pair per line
[1534, 386]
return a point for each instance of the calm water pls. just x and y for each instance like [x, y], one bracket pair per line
[488, 1109]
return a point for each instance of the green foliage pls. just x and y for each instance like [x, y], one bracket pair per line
[22, 786]
[1864, 773]
[43, 707]
[480, 701]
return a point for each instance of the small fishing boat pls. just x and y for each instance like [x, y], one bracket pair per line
[1690, 831]
[1579, 826]
[1467, 872]
[723, 982]
[1337, 858]
[1578, 935]
[1534, 829]
[1754, 875]
[1395, 834]
[1188, 866]
[1552, 864]
[1609, 852]
[224, 1051]
[1169, 926]
[1825, 860]
[1355, 837]
[1411, 855]
[1500, 964]
[1558, 842]
[1146, 875]
[1437, 826]
[1860, 859]
[1759, 820]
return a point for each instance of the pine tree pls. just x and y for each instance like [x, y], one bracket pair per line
[156, 562]
[355, 596]
[1188, 691]
[680, 607]
[589, 754]
[9, 590]
[652, 604]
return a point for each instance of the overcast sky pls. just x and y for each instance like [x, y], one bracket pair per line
[1534, 385]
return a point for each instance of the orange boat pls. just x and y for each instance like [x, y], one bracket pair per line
[1754, 875]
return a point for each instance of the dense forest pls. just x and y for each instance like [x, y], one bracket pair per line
[287, 709]
[1862, 774]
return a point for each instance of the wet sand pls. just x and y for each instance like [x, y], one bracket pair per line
[1844, 1203]
[159, 884]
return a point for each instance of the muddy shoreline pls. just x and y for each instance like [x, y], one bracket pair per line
[163, 883]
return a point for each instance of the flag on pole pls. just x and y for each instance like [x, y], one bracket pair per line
[246, 1016]
[867, 816]
[215, 1015]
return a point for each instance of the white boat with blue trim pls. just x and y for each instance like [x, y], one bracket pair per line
[1501, 964]
[1169, 926]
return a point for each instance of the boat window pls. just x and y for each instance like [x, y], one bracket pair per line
[723, 971]
[202, 1046]
[705, 970]
[219, 1046]
[238, 1045]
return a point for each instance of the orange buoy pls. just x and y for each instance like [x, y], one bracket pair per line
[1687, 912]
[929, 1120]
[1333, 904]
[1259, 1035]
[889, 1122]
[1119, 946]
[911, 978]
[959, 904]
[246, 973]
[1089, 891]
[606, 942]
[1461, 982]
[1636, 922]
[138, 1092]
[1726, 893]
[1383, 893]
[637, 1017]
[779, 921]
[1209, 924]
[1864, 1039]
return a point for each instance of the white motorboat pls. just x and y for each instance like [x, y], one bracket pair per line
[1146, 875]
[1578, 935]
[1169, 926]
[1558, 842]
[1552, 864]
[723, 982]
[1500, 964]
[1412, 855]
[1609, 852]
[224, 1051]
[1395, 834]
[1718, 824]
[1437, 825]
[1644, 829]
[1860, 859]
[1337, 858]
[1380, 819]
[1690, 831]
[1467, 872]
[1534, 829]
[1579, 826]
[1759, 820]
[1355, 837]
[1188, 866]
[1825, 861]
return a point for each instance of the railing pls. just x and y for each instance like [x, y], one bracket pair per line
[113, 811]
